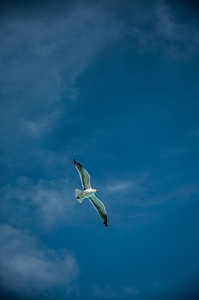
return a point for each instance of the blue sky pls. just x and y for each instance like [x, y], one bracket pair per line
[113, 84]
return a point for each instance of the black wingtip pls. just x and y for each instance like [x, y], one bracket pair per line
[106, 222]
[77, 163]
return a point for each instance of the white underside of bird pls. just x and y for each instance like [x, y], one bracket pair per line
[89, 193]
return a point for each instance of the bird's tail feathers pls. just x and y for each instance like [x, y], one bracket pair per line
[78, 195]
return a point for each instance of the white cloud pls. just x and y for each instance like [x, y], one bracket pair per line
[54, 202]
[49, 203]
[26, 266]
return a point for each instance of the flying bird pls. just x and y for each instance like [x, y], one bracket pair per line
[89, 192]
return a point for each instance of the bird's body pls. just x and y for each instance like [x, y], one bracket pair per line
[89, 192]
[86, 193]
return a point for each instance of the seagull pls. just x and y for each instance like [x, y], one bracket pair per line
[89, 192]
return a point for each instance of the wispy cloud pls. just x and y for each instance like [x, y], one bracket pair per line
[146, 190]
[139, 201]
[123, 186]
[159, 30]
[107, 292]
[53, 48]
[38, 127]
[42, 203]
[26, 266]
[40, 59]
[132, 190]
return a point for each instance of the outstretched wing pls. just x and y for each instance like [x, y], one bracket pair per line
[99, 206]
[83, 174]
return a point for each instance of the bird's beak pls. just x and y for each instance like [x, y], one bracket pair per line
[97, 191]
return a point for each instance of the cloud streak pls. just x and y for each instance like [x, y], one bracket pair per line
[140, 201]
[144, 192]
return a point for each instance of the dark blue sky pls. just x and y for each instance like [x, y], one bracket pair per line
[113, 84]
